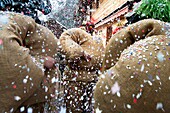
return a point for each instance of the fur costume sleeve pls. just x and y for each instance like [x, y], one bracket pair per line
[127, 37]
[139, 81]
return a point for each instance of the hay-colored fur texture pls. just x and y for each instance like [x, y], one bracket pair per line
[136, 70]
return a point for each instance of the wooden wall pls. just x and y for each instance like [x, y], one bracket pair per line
[105, 8]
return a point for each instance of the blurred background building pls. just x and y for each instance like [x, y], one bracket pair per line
[109, 15]
[106, 16]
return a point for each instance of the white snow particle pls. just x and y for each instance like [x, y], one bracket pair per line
[115, 88]
[98, 111]
[28, 69]
[160, 56]
[11, 111]
[118, 94]
[30, 110]
[159, 106]
[22, 109]
[150, 83]
[157, 77]
[53, 80]
[142, 68]
[43, 50]
[17, 98]
[24, 81]
[128, 106]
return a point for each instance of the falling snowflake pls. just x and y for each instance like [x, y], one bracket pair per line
[160, 56]
[17, 98]
[22, 109]
[63, 110]
[160, 106]
[115, 88]
[128, 106]
[54, 79]
[98, 111]
[150, 83]
[142, 68]
[157, 77]
[138, 95]
[28, 69]
[43, 50]
[24, 81]
[30, 110]
[12, 110]
[118, 94]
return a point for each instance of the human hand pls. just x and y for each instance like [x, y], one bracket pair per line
[49, 62]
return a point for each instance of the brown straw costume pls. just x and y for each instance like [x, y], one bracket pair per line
[80, 74]
[136, 70]
[24, 82]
